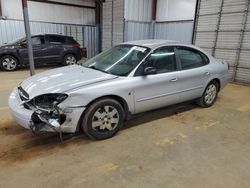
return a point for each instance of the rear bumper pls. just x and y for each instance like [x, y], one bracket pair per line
[225, 79]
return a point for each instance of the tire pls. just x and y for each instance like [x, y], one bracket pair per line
[209, 96]
[69, 59]
[103, 119]
[8, 63]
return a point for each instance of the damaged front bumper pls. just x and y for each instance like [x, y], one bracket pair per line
[40, 120]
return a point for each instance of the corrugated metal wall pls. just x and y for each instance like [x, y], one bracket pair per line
[85, 35]
[180, 31]
[139, 25]
[138, 10]
[107, 28]
[45, 12]
[174, 10]
[138, 20]
[127, 20]
[112, 23]
[12, 29]
[135, 30]
[223, 29]
[118, 25]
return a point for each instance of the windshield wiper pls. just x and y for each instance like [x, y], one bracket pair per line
[93, 67]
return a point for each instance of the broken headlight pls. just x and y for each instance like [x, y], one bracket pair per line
[48, 101]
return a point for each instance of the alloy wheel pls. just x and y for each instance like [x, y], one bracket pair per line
[9, 63]
[105, 119]
[210, 94]
[70, 60]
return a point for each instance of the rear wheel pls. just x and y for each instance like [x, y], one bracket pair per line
[103, 119]
[210, 94]
[8, 63]
[69, 59]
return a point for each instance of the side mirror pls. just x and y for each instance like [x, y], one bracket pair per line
[149, 70]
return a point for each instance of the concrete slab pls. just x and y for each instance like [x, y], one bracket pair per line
[178, 146]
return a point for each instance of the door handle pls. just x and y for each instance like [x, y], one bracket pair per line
[173, 79]
[207, 73]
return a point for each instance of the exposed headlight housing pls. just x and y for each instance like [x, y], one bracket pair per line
[48, 101]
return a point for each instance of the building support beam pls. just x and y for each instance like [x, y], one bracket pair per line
[112, 23]
[196, 18]
[154, 7]
[1, 13]
[98, 5]
[217, 28]
[62, 3]
[28, 36]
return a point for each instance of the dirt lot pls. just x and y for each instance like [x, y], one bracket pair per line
[180, 146]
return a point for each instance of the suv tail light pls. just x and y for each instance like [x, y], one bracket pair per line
[77, 45]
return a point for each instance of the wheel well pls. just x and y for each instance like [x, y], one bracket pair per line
[69, 53]
[218, 82]
[18, 60]
[118, 99]
[115, 97]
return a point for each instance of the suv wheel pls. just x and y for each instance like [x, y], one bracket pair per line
[103, 119]
[8, 63]
[69, 59]
[210, 94]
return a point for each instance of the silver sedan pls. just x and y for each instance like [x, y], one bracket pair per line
[130, 78]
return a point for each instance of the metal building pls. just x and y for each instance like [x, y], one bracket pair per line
[50, 17]
[126, 20]
[223, 29]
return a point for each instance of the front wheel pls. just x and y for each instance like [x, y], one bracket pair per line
[8, 63]
[210, 94]
[103, 119]
[69, 59]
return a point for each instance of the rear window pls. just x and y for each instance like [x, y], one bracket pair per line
[70, 40]
[56, 39]
[191, 58]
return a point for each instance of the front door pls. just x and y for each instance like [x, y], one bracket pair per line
[160, 89]
[39, 50]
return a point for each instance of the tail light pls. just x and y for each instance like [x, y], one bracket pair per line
[77, 45]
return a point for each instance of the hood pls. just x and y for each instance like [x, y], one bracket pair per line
[63, 79]
[8, 46]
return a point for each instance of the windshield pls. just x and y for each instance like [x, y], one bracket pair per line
[120, 60]
[17, 41]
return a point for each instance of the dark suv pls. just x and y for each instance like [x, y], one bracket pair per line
[48, 48]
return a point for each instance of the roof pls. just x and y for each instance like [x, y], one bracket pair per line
[52, 34]
[151, 43]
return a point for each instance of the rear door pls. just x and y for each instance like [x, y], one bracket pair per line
[194, 72]
[55, 48]
[160, 89]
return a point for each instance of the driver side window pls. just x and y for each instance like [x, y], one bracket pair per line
[163, 60]
[36, 40]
